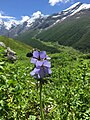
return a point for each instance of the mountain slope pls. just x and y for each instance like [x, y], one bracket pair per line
[69, 27]
[71, 32]
[39, 21]
[17, 46]
[68, 88]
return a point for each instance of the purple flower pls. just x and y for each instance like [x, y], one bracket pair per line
[39, 56]
[41, 71]
[42, 66]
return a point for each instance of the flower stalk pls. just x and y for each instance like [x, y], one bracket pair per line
[41, 106]
[41, 70]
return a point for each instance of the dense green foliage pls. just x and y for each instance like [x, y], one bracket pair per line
[15, 45]
[73, 32]
[36, 43]
[66, 94]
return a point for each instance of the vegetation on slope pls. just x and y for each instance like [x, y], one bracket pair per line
[66, 95]
[20, 48]
[15, 45]
[73, 32]
[36, 43]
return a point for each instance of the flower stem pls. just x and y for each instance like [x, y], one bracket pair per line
[41, 108]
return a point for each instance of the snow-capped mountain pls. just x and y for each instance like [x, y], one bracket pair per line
[76, 8]
[11, 27]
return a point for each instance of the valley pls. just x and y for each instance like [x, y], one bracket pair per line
[65, 36]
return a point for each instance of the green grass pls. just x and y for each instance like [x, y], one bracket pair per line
[66, 95]
[20, 48]
[36, 43]
[15, 45]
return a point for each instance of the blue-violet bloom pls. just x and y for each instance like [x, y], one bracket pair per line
[42, 66]
[39, 56]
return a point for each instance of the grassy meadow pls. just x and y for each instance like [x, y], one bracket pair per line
[65, 94]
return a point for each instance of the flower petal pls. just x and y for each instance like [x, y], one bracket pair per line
[32, 73]
[36, 54]
[35, 71]
[33, 60]
[39, 63]
[49, 71]
[46, 63]
[43, 55]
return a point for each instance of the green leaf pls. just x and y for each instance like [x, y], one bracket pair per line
[1, 67]
[32, 117]
[2, 63]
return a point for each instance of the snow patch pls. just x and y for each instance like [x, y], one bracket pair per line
[24, 18]
[11, 23]
[56, 16]
[73, 6]
[82, 7]
[63, 18]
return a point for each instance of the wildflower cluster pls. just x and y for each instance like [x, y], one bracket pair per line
[42, 65]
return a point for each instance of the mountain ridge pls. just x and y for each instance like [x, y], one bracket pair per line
[39, 21]
[70, 27]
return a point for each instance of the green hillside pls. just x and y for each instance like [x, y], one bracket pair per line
[21, 49]
[36, 43]
[66, 95]
[15, 45]
[71, 32]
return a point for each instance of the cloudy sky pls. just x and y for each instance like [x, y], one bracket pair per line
[14, 9]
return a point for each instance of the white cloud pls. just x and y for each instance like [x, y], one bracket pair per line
[11, 22]
[25, 18]
[8, 21]
[34, 16]
[53, 2]
[31, 19]
[6, 17]
[37, 14]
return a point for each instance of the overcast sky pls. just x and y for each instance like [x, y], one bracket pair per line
[18, 8]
